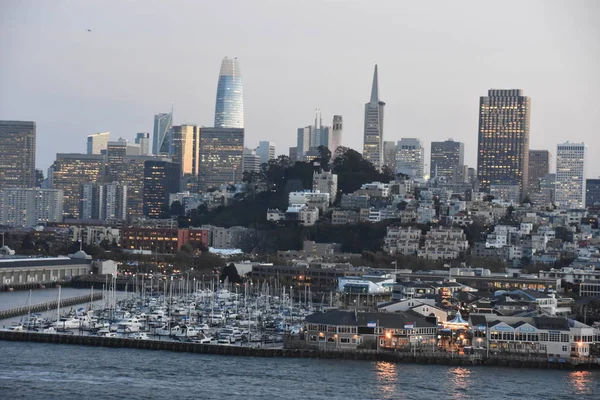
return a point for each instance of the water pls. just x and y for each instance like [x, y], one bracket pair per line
[49, 371]
[19, 298]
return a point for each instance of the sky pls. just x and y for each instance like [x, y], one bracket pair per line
[435, 58]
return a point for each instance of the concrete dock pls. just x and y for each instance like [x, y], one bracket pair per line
[49, 305]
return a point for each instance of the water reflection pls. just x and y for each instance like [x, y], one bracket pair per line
[459, 382]
[387, 379]
[581, 381]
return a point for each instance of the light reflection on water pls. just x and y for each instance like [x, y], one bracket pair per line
[387, 378]
[581, 382]
[459, 382]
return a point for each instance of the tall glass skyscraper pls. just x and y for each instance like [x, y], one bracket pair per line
[229, 108]
[161, 142]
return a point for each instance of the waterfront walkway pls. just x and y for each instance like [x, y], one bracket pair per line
[49, 305]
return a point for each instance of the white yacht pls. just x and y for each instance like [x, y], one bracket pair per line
[67, 323]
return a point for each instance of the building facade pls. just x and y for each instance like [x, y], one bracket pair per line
[251, 161]
[27, 207]
[336, 134]
[266, 151]
[570, 175]
[410, 158]
[161, 142]
[96, 142]
[503, 147]
[229, 108]
[447, 160]
[326, 182]
[592, 192]
[160, 179]
[373, 130]
[221, 156]
[389, 154]
[539, 167]
[17, 154]
[185, 148]
[143, 140]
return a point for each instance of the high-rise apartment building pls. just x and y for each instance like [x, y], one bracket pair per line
[336, 134]
[251, 161]
[17, 154]
[143, 140]
[70, 171]
[229, 107]
[161, 141]
[113, 202]
[447, 160]
[326, 182]
[161, 178]
[539, 167]
[89, 199]
[570, 175]
[410, 158]
[503, 149]
[373, 132]
[27, 207]
[186, 148]
[97, 142]
[221, 156]
[592, 192]
[266, 151]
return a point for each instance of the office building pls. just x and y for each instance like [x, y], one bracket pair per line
[251, 161]
[17, 154]
[303, 142]
[592, 192]
[70, 171]
[570, 175]
[447, 160]
[89, 199]
[97, 142]
[373, 132]
[336, 134]
[161, 141]
[539, 166]
[410, 158]
[503, 148]
[221, 156]
[229, 107]
[293, 154]
[389, 154]
[143, 140]
[266, 151]
[161, 178]
[185, 148]
[27, 207]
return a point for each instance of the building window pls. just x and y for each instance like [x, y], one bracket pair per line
[313, 338]
[564, 337]
[345, 340]
[553, 337]
[565, 348]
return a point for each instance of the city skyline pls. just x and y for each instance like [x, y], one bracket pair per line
[555, 73]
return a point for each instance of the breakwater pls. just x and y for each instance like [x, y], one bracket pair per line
[366, 355]
[49, 305]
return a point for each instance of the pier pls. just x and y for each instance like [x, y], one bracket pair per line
[49, 305]
[365, 355]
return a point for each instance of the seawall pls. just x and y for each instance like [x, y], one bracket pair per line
[366, 355]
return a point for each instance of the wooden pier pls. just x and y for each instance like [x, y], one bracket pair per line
[49, 305]
[366, 355]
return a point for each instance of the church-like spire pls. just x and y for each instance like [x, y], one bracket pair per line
[375, 88]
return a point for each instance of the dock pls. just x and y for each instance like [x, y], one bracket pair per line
[49, 305]
[365, 355]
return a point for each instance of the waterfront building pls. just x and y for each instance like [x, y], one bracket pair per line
[266, 151]
[373, 130]
[221, 156]
[410, 158]
[539, 167]
[97, 142]
[160, 179]
[503, 146]
[447, 160]
[570, 175]
[389, 154]
[27, 207]
[17, 154]
[325, 182]
[28, 270]
[143, 140]
[185, 148]
[70, 171]
[592, 192]
[229, 107]
[161, 142]
[251, 161]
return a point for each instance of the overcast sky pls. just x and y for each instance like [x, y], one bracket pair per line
[435, 59]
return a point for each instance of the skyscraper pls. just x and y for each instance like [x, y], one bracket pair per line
[266, 151]
[447, 160]
[410, 158]
[539, 167]
[389, 154]
[373, 133]
[251, 161]
[570, 175]
[592, 192]
[161, 142]
[26, 207]
[160, 179]
[303, 142]
[336, 134]
[229, 108]
[143, 140]
[503, 153]
[221, 156]
[17, 154]
[185, 148]
[96, 142]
